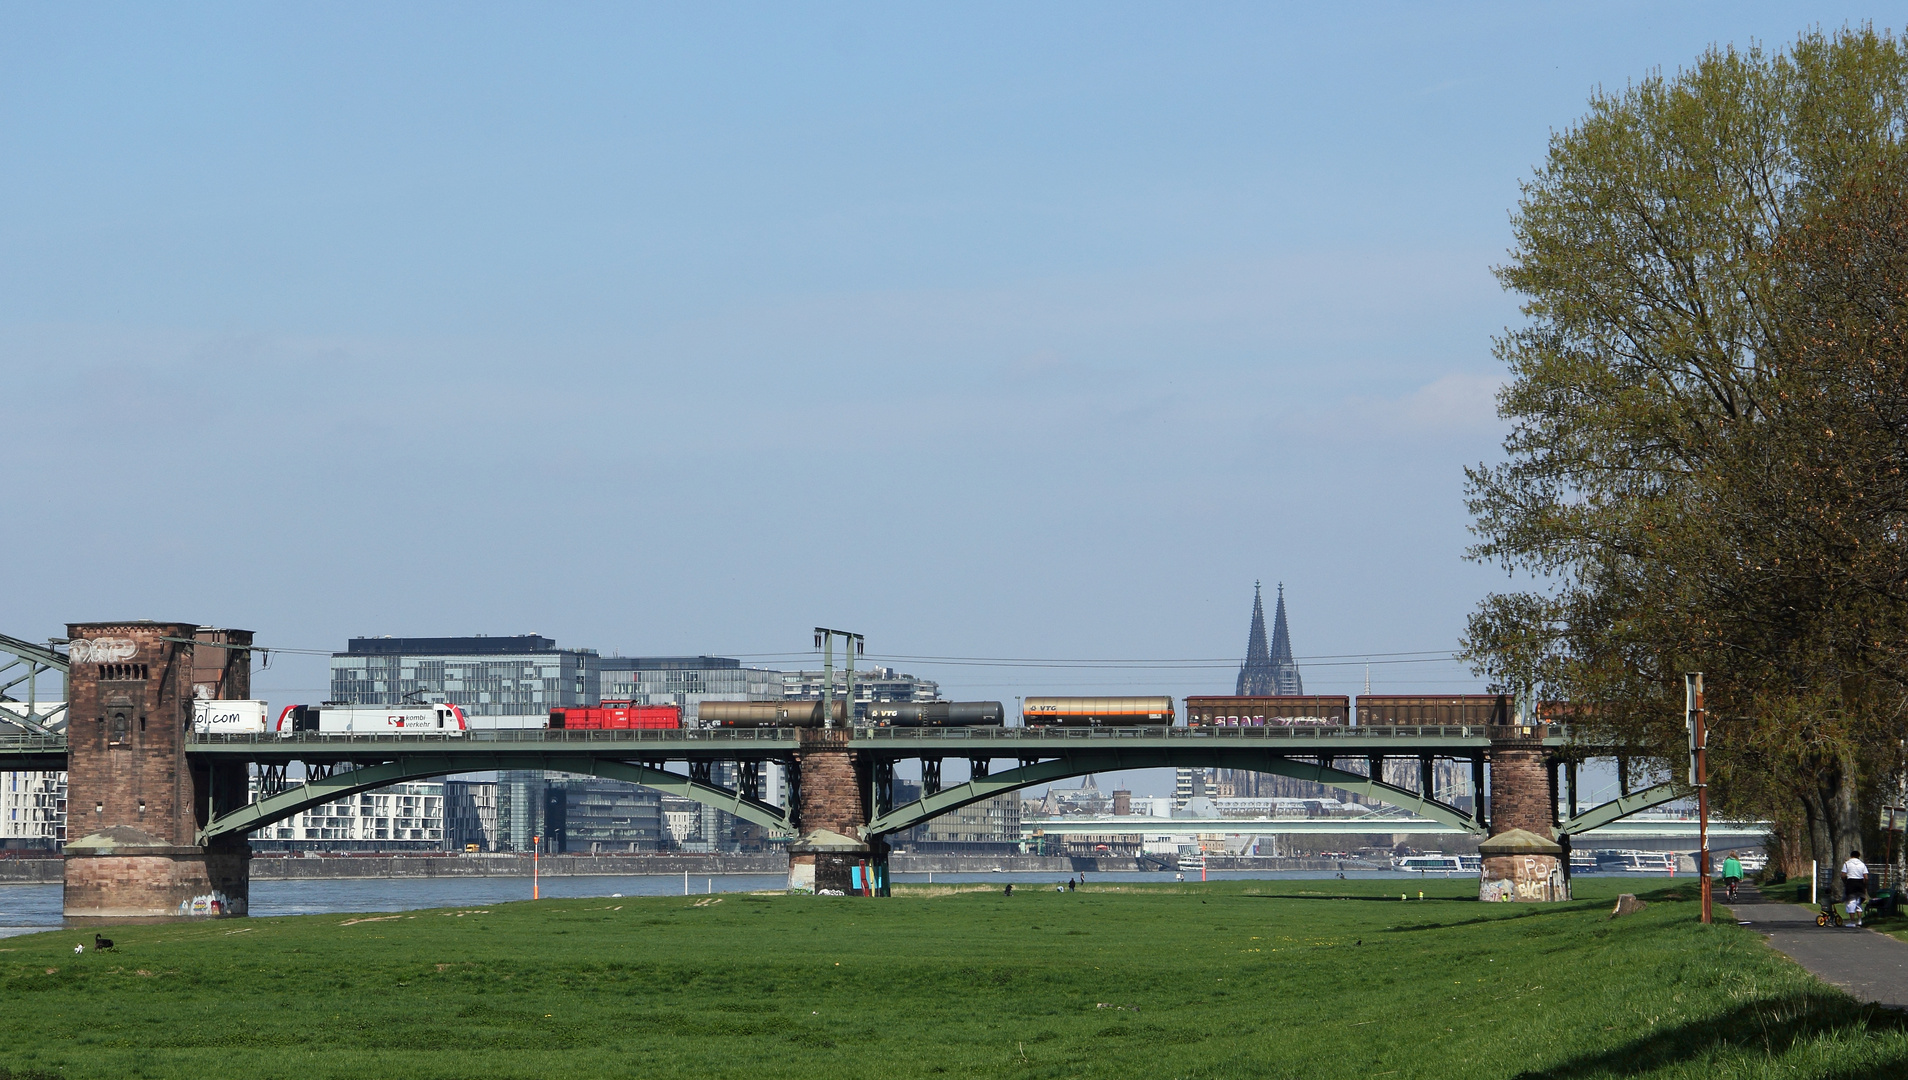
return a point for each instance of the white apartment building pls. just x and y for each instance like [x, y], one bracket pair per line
[32, 809]
[402, 815]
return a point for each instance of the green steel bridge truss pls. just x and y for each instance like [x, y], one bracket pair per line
[338, 766]
[22, 663]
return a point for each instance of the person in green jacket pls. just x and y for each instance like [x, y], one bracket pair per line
[1731, 875]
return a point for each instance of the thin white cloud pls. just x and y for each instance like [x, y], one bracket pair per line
[1455, 402]
[1454, 405]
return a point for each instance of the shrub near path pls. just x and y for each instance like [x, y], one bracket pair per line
[1232, 979]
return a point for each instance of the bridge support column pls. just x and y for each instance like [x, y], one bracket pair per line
[831, 818]
[135, 803]
[1522, 859]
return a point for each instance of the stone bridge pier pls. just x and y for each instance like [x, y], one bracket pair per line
[135, 803]
[1523, 858]
[830, 849]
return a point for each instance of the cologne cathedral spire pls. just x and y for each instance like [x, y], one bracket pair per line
[1256, 675]
[1285, 672]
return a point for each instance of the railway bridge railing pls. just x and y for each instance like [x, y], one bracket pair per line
[336, 766]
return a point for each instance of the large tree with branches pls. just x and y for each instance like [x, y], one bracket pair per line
[1708, 463]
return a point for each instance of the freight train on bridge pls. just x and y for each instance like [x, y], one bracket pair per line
[163, 790]
[1322, 711]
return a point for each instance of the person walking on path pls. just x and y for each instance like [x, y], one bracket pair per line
[1870, 965]
[1855, 884]
[1731, 875]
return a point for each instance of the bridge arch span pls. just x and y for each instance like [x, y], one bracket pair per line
[278, 807]
[1080, 763]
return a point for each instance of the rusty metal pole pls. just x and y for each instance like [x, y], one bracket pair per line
[1699, 777]
[828, 675]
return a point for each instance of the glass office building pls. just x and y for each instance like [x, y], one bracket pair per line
[490, 678]
[685, 680]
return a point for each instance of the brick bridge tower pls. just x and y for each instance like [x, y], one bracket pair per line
[832, 813]
[135, 802]
[1523, 858]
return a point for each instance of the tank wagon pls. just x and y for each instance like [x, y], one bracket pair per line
[616, 716]
[1310, 710]
[935, 713]
[1096, 711]
[767, 713]
[438, 719]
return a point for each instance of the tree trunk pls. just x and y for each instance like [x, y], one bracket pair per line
[1821, 843]
[1837, 803]
[1788, 849]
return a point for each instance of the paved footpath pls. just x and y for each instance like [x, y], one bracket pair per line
[1871, 966]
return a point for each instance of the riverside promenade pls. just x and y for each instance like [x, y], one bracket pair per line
[1871, 966]
[47, 870]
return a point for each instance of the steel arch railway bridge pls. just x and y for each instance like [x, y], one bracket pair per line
[158, 815]
[339, 766]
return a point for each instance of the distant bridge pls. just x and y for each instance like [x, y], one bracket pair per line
[1721, 833]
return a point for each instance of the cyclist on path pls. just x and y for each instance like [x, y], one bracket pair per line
[1731, 875]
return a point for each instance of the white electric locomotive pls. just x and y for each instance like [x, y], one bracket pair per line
[438, 719]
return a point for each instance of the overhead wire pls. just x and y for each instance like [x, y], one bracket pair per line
[1082, 664]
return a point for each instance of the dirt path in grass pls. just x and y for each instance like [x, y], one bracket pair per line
[1871, 966]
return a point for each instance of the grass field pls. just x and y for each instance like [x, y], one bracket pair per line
[1233, 979]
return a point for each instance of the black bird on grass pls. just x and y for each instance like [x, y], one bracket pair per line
[101, 944]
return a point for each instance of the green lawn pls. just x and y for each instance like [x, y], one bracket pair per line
[1227, 979]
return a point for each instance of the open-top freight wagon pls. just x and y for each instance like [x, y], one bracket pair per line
[1417, 710]
[1308, 710]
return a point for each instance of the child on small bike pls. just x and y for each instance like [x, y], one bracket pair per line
[1855, 885]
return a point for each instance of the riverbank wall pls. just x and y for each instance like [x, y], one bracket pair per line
[48, 871]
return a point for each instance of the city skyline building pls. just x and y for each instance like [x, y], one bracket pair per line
[498, 681]
[874, 684]
[598, 816]
[401, 817]
[32, 809]
[687, 681]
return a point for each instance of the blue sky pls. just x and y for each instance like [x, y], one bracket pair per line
[1002, 331]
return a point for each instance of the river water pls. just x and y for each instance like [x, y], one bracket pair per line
[30, 909]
